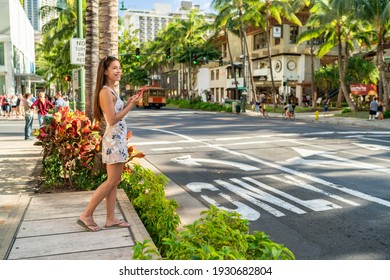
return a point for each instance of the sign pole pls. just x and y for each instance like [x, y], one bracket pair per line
[81, 101]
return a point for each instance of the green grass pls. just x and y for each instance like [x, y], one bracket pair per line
[357, 115]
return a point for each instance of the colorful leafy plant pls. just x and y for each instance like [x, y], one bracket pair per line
[73, 137]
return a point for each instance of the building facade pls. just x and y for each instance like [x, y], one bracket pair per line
[149, 22]
[17, 55]
[32, 8]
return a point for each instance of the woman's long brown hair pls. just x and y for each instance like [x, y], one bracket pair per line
[101, 80]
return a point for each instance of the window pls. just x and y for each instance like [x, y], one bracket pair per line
[294, 31]
[2, 62]
[230, 73]
[2, 84]
[224, 50]
[316, 41]
[260, 64]
[217, 74]
[212, 75]
[259, 41]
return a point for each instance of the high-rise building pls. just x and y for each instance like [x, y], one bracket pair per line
[150, 22]
[32, 11]
[32, 8]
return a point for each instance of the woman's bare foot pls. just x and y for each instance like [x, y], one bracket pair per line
[116, 223]
[88, 223]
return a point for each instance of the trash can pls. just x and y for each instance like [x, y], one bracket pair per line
[234, 106]
[238, 108]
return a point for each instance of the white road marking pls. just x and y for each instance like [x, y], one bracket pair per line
[294, 181]
[341, 161]
[313, 204]
[188, 160]
[373, 147]
[251, 195]
[294, 172]
[244, 210]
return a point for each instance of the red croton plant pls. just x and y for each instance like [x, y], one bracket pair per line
[76, 140]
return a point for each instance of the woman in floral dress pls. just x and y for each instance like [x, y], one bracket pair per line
[109, 106]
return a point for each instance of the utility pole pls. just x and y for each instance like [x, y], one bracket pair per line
[81, 101]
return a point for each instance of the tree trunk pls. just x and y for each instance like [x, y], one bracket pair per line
[231, 61]
[273, 89]
[343, 67]
[250, 67]
[312, 75]
[108, 28]
[91, 59]
[108, 35]
[380, 60]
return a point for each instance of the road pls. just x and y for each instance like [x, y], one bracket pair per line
[321, 190]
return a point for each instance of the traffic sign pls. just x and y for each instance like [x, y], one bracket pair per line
[77, 51]
[75, 80]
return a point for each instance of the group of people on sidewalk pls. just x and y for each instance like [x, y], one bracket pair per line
[376, 110]
[43, 105]
[11, 106]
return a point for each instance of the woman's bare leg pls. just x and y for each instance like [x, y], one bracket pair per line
[111, 219]
[114, 174]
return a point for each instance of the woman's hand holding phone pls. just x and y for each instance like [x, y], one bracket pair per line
[133, 100]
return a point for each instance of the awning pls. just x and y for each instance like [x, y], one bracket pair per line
[33, 78]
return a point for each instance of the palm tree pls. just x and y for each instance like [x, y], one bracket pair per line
[231, 11]
[228, 24]
[336, 21]
[260, 13]
[186, 37]
[377, 13]
[92, 48]
[56, 36]
[108, 28]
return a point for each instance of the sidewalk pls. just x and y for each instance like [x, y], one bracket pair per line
[43, 226]
[331, 119]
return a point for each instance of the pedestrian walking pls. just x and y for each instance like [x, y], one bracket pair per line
[60, 102]
[7, 106]
[326, 106]
[43, 107]
[380, 110]
[373, 109]
[108, 105]
[28, 116]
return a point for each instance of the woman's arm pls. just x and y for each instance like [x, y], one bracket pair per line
[34, 104]
[107, 104]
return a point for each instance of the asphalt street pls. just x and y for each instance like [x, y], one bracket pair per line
[321, 189]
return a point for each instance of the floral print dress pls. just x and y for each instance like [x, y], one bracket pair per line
[114, 147]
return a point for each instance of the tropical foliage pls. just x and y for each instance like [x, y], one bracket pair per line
[345, 25]
[56, 35]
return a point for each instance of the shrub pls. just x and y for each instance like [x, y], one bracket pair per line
[386, 114]
[346, 110]
[71, 151]
[147, 194]
[220, 235]
[72, 138]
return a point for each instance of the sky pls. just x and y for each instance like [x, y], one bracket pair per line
[148, 4]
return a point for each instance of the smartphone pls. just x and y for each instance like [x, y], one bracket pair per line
[141, 92]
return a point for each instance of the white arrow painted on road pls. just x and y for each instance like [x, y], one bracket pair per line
[188, 160]
[335, 160]
[372, 147]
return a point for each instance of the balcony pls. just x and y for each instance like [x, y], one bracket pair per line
[261, 72]
[230, 83]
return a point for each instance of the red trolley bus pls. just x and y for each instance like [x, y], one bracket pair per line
[153, 96]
